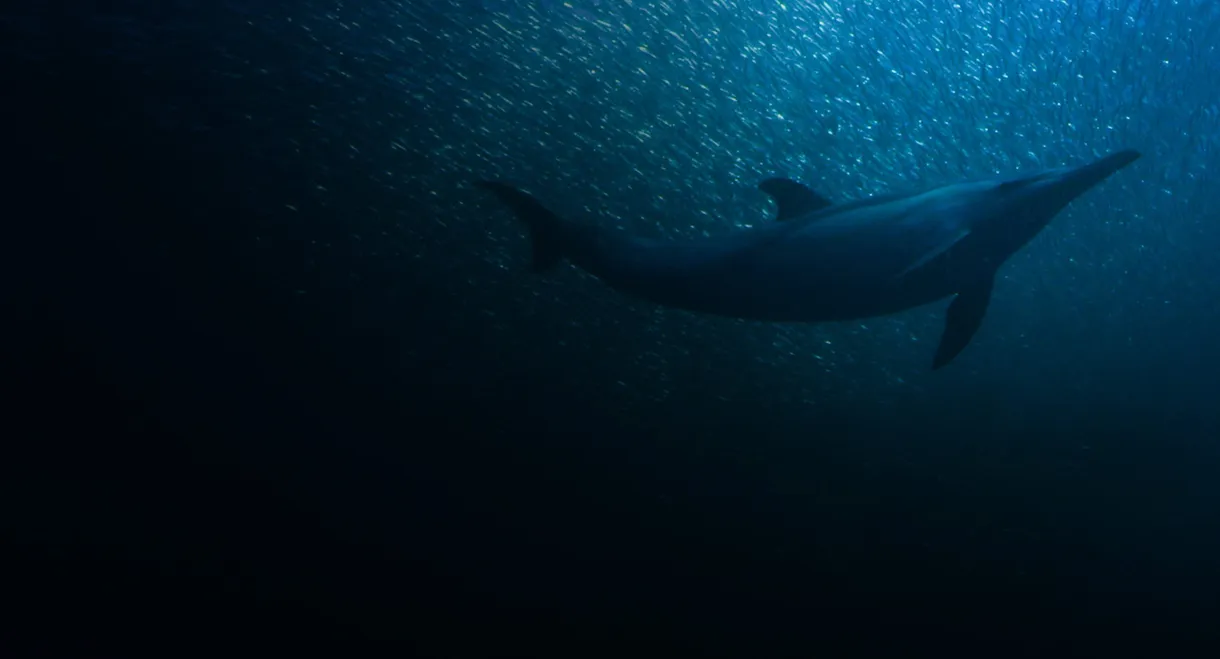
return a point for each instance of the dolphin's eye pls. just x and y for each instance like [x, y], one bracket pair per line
[1015, 185]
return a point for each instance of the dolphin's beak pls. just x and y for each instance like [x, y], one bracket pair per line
[1075, 182]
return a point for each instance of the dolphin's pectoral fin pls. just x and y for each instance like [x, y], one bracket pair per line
[963, 319]
[793, 199]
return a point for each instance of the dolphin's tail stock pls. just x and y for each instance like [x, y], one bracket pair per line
[546, 228]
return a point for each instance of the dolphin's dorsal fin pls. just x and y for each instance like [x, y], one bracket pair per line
[793, 199]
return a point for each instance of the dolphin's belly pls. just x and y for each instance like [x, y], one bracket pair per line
[783, 277]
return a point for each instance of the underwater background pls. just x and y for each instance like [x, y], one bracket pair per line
[281, 372]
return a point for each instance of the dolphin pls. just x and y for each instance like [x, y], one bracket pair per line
[824, 261]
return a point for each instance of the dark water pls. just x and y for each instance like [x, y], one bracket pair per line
[280, 374]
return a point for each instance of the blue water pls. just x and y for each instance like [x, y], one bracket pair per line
[329, 288]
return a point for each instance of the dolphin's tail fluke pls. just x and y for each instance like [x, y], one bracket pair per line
[545, 227]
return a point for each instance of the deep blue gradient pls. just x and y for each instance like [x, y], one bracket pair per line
[280, 372]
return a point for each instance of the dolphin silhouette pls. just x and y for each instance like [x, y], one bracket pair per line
[822, 261]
